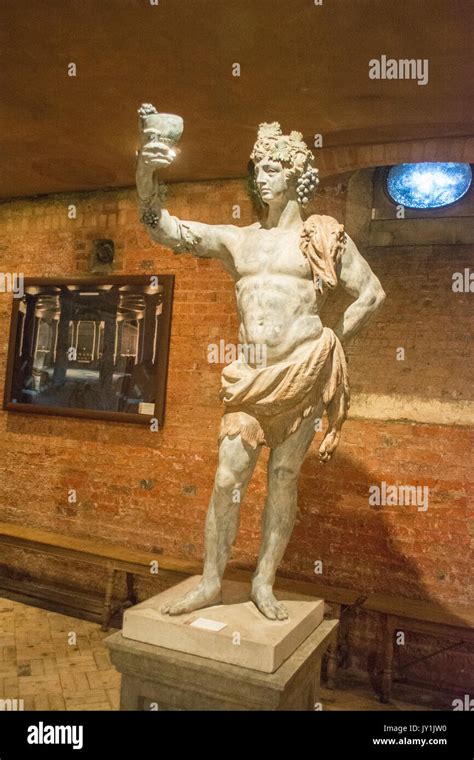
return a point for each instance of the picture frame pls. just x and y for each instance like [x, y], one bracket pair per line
[91, 347]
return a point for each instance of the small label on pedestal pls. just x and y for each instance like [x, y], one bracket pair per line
[208, 625]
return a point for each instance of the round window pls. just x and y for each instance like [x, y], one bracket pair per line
[428, 185]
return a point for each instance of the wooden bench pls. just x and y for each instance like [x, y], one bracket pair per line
[113, 558]
[402, 614]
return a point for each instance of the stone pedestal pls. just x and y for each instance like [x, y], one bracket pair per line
[234, 632]
[164, 677]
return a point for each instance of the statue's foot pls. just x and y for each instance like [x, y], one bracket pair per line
[329, 445]
[205, 594]
[267, 603]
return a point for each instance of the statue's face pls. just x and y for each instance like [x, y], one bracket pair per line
[272, 180]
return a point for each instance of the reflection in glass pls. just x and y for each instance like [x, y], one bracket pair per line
[129, 342]
[85, 341]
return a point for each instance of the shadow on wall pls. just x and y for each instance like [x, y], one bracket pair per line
[361, 546]
[388, 549]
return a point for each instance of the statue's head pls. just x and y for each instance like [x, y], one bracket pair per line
[280, 167]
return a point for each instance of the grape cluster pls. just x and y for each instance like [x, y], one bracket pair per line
[306, 185]
[151, 218]
[146, 109]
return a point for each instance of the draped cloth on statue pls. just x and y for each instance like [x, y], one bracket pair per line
[266, 404]
[322, 242]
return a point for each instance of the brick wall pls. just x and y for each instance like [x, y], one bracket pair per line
[427, 555]
[423, 316]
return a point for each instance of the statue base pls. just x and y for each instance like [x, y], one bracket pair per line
[234, 632]
[161, 676]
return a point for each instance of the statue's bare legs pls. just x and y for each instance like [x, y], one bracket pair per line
[279, 515]
[236, 464]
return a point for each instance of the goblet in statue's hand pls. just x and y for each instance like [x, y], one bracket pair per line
[155, 154]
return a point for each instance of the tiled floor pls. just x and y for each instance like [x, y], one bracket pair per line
[55, 662]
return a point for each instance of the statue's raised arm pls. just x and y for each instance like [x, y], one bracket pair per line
[159, 134]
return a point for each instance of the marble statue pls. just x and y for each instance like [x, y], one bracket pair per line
[283, 268]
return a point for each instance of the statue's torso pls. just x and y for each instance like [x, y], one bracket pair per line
[276, 297]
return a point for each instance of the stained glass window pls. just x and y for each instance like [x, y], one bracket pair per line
[428, 185]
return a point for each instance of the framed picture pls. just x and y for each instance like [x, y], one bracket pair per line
[93, 347]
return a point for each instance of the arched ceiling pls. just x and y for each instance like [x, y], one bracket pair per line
[302, 64]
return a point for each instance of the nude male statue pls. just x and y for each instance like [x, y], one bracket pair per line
[283, 268]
